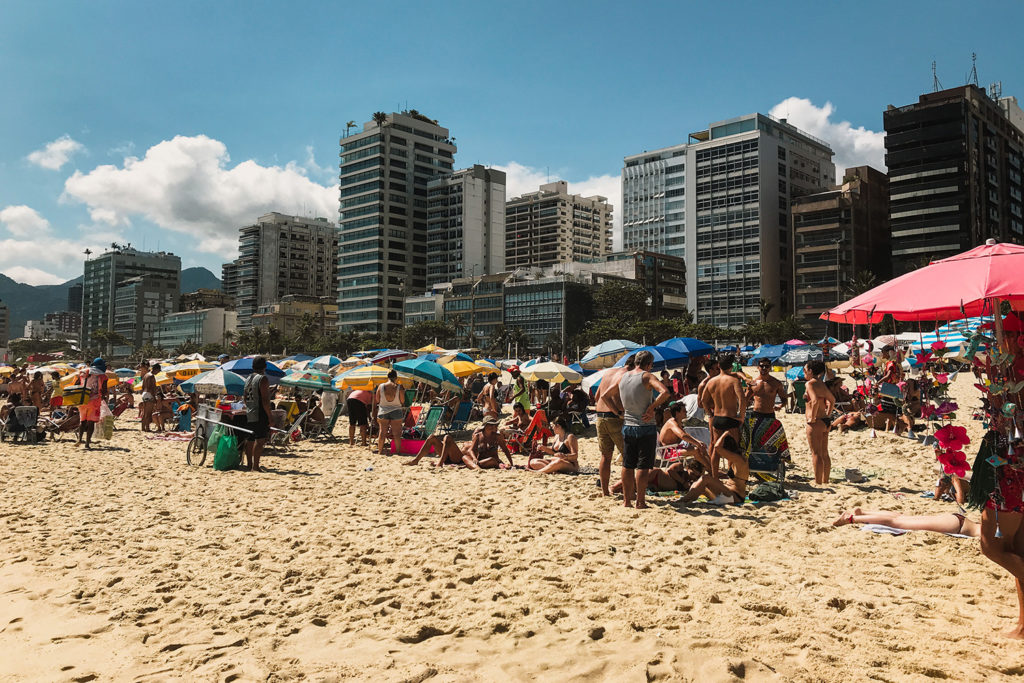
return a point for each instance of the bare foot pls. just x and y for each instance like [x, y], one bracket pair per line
[845, 518]
[627, 504]
[1015, 634]
[641, 506]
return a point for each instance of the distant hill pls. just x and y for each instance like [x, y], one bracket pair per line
[32, 303]
[198, 278]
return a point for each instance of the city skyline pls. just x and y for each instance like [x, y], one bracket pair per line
[164, 137]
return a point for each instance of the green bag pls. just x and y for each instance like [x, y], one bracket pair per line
[218, 431]
[768, 492]
[227, 457]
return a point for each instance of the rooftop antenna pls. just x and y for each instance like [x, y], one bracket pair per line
[973, 77]
[936, 86]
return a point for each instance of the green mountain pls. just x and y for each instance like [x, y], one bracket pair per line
[27, 302]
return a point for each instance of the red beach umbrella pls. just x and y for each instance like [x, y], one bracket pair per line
[960, 286]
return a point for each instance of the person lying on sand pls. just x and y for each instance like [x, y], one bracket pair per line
[565, 451]
[480, 453]
[731, 486]
[849, 421]
[947, 523]
[679, 476]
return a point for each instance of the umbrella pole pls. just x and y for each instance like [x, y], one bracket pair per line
[997, 318]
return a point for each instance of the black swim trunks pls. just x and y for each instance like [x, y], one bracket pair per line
[724, 424]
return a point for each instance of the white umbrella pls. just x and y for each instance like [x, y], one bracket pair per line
[552, 372]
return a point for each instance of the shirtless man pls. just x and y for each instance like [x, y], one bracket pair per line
[764, 389]
[730, 488]
[712, 369]
[672, 433]
[609, 422]
[19, 386]
[36, 389]
[727, 404]
[820, 403]
[488, 396]
[480, 453]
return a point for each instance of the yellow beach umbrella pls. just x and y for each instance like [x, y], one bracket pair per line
[6, 370]
[462, 368]
[368, 378]
[487, 365]
[112, 379]
[430, 348]
[192, 368]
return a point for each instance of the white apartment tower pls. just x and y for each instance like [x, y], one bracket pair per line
[465, 224]
[654, 201]
[740, 177]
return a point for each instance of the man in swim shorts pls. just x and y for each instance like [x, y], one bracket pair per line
[725, 401]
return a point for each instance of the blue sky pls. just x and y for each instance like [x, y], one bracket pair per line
[171, 124]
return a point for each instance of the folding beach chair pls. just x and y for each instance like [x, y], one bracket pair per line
[22, 425]
[61, 422]
[460, 418]
[412, 418]
[539, 429]
[666, 455]
[800, 399]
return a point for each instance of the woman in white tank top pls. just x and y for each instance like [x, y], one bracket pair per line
[390, 412]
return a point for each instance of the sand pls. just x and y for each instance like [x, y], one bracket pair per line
[126, 563]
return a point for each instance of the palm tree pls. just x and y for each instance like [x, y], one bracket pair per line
[348, 126]
[861, 282]
[766, 308]
[458, 323]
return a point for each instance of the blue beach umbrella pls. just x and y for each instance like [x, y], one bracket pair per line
[688, 346]
[219, 381]
[795, 373]
[665, 358]
[243, 367]
[428, 372]
[324, 362]
[605, 354]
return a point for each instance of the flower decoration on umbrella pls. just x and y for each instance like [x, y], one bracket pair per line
[949, 452]
[939, 347]
[923, 357]
[952, 437]
[954, 462]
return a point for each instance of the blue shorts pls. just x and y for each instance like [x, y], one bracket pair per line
[641, 443]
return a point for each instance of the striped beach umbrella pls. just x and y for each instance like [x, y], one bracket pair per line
[552, 372]
[605, 354]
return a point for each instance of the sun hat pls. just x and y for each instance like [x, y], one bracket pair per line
[99, 364]
[491, 420]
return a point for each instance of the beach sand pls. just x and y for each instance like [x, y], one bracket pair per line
[126, 563]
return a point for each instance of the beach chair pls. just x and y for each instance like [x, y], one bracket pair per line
[412, 418]
[666, 455]
[328, 429]
[282, 438]
[23, 424]
[61, 422]
[410, 397]
[799, 398]
[539, 430]
[459, 418]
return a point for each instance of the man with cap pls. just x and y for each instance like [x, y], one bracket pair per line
[479, 454]
[520, 392]
[95, 380]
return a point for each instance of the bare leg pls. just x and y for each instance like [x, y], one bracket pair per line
[604, 470]
[247, 449]
[432, 443]
[641, 488]
[943, 524]
[362, 434]
[960, 486]
[257, 451]
[382, 426]
[628, 486]
[1005, 551]
[396, 434]
[351, 434]
[557, 466]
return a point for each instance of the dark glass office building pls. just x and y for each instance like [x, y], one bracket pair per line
[954, 162]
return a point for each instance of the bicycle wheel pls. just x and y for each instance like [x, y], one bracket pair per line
[195, 453]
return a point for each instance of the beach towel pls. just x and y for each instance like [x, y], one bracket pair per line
[892, 531]
[765, 435]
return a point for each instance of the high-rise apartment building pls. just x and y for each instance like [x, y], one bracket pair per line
[383, 216]
[140, 305]
[722, 201]
[75, 298]
[278, 256]
[106, 272]
[553, 226]
[465, 224]
[654, 201]
[200, 326]
[742, 175]
[955, 164]
[838, 234]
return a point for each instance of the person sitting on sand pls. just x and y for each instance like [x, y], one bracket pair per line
[480, 453]
[731, 487]
[911, 407]
[518, 423]
[679, 476]
[947, 523]
[564, 449]
[673, 434]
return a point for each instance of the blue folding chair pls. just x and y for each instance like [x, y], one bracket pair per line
[460, 418]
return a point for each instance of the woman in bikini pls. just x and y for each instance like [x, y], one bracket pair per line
[679, 476]
[948, 523]
[480, 453]
[516, 425]
[564, 449]
[390, 412]
[731, 486]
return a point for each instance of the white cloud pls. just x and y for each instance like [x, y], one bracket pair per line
[32, 276]
[57, 153]
[853, 146]
[186, 185]
[520, 179]
[34, 255]
[23, 221]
